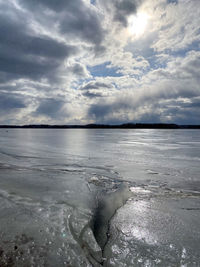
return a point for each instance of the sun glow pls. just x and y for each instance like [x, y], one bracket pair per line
[137, 24]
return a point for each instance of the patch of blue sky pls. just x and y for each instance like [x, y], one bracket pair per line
[172, 1]
[102, 70]
[93, 2]
[182, 52]
[156, 63]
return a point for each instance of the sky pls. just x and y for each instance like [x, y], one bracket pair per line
[99, 61]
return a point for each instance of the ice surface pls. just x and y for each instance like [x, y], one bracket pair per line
[54, 182]
[155, 232]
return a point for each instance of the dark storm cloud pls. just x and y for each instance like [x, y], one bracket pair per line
[95, 85]
[73, 18]
[120, 10]
[78, 70]
[124, 8]
[183, 112]
[27, 67]
[102, 110]
[95, 89]
[7, 88]
[84, 25]
[10, 102]
[92, 94]
[99, 111]
[5, 77]
[155, 102]
[17, 39]
[50, 107]
[194, 104]
[26, 55]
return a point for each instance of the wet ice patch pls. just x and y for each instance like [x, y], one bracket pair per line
[156, 232]
[139, 190]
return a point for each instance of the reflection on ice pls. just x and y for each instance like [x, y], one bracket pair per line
[139, 190]
[138, 231]
[155, 232]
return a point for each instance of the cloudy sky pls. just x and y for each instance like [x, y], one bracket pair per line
[99, 61]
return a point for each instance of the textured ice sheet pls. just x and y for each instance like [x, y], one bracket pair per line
[51, 182]
[155, 230]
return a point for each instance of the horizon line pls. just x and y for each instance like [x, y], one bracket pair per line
[99, 125]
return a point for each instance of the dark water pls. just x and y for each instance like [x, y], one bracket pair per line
[142, 185]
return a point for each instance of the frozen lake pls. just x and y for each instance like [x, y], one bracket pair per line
[93, 197]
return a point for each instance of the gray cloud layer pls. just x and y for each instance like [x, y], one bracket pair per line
[73, 18]
[70, 61]
[24, 54]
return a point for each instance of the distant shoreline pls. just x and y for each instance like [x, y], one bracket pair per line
[105, 126]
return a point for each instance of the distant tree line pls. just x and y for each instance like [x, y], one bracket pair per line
[107, 126]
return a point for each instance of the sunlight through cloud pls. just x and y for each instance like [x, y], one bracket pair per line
[138, 24]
